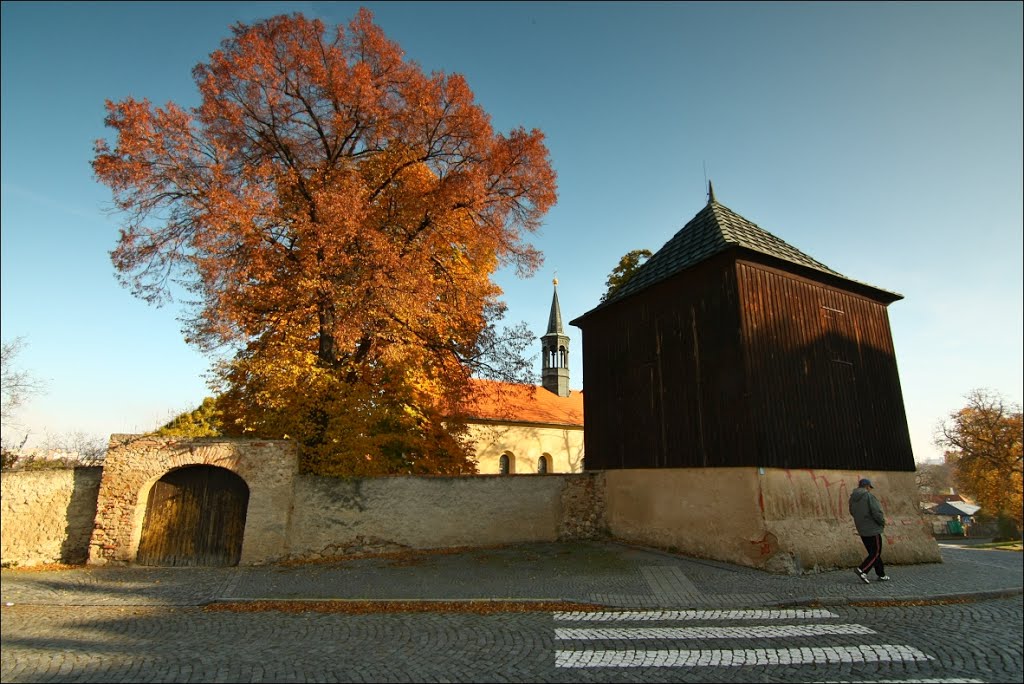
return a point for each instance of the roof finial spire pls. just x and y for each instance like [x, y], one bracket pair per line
[711, 193]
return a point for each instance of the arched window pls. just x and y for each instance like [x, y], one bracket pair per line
[504, 464]
[543, 465]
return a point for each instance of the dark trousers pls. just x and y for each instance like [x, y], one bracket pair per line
[874, 559]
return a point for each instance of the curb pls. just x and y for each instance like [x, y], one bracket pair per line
[960, 597]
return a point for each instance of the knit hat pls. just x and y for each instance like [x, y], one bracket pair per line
[865, 482]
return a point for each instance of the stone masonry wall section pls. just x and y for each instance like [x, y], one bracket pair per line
[47, 516]
[779, 520]
[336, 517]
[134, 463]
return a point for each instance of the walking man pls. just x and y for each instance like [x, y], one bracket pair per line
[870, 521]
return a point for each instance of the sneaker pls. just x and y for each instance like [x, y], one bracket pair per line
[883, 578]
[863, 577]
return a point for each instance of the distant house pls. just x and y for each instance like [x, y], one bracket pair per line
[960, 509]
[530, 429]
[934, 500]
[731, 348]
[953, 517]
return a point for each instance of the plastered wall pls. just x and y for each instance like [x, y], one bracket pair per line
[775, 519]
[527, 443]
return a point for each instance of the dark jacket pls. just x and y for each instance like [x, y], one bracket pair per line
[867, 513]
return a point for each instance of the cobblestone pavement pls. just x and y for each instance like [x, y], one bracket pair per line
[609, 574]
[668, 618]
[975, 642]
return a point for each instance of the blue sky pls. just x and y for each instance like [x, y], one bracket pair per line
[882, 139]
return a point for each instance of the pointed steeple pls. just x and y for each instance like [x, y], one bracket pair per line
[554, 346]
[711, 193]
[555, 317]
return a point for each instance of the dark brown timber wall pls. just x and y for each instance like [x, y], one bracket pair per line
[665, 384]
[824, 386]
[736, 362]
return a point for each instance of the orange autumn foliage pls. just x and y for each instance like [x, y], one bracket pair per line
[334, 216]
[983, 445]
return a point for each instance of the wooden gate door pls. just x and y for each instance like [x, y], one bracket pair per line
[195, 517]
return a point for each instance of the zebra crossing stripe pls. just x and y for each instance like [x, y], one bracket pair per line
[780, 614]
[740, 657]
[750, 632]
[913, 681]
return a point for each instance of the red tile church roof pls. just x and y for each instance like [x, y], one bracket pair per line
[507, 402]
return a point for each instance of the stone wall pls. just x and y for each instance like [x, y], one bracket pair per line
[289, 516]
[47, 515]
[134, 463]
[583, 507]
[338, 517]
[775, 519]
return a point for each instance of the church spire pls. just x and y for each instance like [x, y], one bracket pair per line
[555, 317]
[554, 347]
[711, 194]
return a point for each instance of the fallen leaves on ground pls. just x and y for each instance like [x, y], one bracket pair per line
[484, 607]
[46, 567]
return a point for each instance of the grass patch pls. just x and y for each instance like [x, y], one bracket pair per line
[1002, 546]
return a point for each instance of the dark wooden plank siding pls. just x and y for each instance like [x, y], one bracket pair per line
[664, 380]
[825, 389]
[736, 362]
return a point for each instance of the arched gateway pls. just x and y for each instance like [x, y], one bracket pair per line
[195, 516]
[207, 501]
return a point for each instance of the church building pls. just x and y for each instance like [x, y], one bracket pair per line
[530, 429]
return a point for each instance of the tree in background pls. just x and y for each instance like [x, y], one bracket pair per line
[205, 421]
[626, 269]
[53, 450]
[933, 479]
[16, 386]
[982, 443]
[334, 216]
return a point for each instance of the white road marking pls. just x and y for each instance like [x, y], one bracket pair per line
[911, 681]
[740, 657]
[752, 632]
[781, 614]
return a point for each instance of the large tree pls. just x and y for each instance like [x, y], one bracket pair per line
[982, 443]
[334, 215]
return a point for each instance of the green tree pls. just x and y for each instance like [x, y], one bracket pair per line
[982, 443]
[626, 269]
[205, 421]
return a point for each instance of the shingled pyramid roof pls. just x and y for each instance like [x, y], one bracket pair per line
[713, 230]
